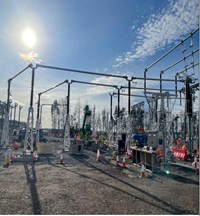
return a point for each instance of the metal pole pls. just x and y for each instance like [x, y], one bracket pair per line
[41, 115]
[129, 97]
[68, 97]
[38, 119]
[111, 117]
[38, 106]
[145, 83]
[8, 96]
[161, 73]
[20, 107]
[189, 109]
[176, 83]
[118, 99]
[32, 87]
[15, 106]
[11, 114]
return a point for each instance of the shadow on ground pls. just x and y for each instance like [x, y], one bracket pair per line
[167, 207]
[29, 168]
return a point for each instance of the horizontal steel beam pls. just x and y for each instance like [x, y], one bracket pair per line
[66, 81]
[92, 83]
[132, 95]
[157, 79]
[29, 66]
[149, 88]
[80, 71]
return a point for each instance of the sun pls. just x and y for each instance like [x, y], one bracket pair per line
[29, 37]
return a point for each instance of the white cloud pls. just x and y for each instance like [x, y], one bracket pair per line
[101, 90]
[97, 90]
[179, 18]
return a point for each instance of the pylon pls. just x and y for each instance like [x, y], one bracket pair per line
[98, 155]
[124, 162]
[117, 161]
[142, 173]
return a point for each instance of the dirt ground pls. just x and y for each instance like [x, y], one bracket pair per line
[86, 186]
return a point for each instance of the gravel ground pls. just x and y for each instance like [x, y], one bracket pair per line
[86, 186]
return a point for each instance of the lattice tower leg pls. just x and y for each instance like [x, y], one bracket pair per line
[5, 132]
[128, 132]
[67, 133]
[37, 131]
[162, 113]
[28, 142]
[119, 130]
[38, 126]
[111, 134]
[94, 133]
[40, 120]
[162, 125]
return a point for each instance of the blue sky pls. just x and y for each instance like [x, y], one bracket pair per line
[109, 36]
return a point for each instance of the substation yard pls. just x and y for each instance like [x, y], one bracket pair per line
[83, 185]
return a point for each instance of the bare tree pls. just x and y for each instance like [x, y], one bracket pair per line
[103, 119]
[99, 126]
[77, 114]
[107, 120]
[94, 118]
[55, 112]
[63, 112]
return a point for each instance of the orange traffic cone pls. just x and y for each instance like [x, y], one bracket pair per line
[124, 162]
[142, 173]
[98, 155]
[117, 161]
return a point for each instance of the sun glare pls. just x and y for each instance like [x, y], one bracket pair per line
[29, 37]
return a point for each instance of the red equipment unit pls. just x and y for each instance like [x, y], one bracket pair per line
[179, 153]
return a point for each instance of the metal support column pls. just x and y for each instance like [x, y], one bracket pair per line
[66, 143]
[38, 120]
[15, 106]
[19, 116]
[29, 139]
[118, 101]
[111, 95]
